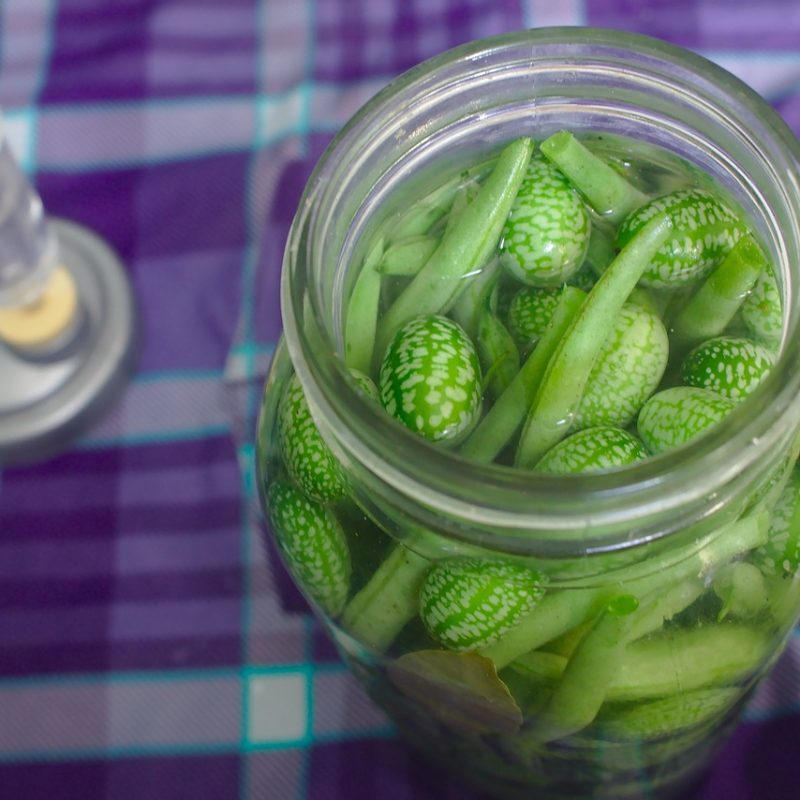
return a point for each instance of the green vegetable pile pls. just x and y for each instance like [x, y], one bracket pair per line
[547, 313]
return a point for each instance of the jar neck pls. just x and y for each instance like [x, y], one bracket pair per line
[454, 111]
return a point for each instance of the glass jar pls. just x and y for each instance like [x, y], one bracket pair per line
[669, 526]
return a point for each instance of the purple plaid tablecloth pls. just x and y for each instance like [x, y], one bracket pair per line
[149, 647]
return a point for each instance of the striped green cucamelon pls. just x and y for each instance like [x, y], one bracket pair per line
[307, 458]
[729, 365]
[430, 379]
[781, 554]
[468, 603]
[705, 230]
[547, 232]
[627, 370]
[313, 545]
[529, 314]
[672, 417]
[762, 310]
[592, 450]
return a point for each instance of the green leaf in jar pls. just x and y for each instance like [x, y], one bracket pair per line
[461, 689]
[313, 544]
[468, 603]
[591, 450]
[729, 365]
[627, 370]
[704, 231]
[547, 231]
[672, 417]
[307, 458]
[430, 379]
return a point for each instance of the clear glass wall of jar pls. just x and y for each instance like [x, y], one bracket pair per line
[669, 523]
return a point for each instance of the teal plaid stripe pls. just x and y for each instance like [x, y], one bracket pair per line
[275, 699]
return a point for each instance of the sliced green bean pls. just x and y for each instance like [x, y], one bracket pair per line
[565, 608]
[601, 251]
[498, 353]
[427, 214]
[588, 675]
[663, 605]
[467, 246]
[465, 195]
[742, 589]
[473, 297]
[667, 715]
[682, 660]
[540, 666]
[378, 612]
[407, 256]
[606, 191]
[562, 386]
[711, 309]
[497, 428]
[556, 613]
[362, 312]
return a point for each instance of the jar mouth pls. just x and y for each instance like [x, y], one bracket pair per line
[601, 78]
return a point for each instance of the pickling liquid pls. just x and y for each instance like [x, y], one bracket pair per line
[712, 611]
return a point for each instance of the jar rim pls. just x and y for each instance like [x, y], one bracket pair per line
[542, 510]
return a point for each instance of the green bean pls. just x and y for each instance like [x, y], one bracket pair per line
[362, 313]
[565, 608]
[742, 589]
[465, 249]
[556, 613]
[378, 612]
[667, 715]
[606, 191]
[600, 252]
[711, 309]
[498, 354]
[474, 296]
[498, 426]
[588, 675]
[565, 378]
[663, 604]
[540, 666]
[407, 256]
[679, 661]
[465, 195]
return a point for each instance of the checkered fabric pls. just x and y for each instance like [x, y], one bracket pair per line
[150, 644]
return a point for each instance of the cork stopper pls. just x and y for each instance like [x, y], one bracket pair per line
[47, 319]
